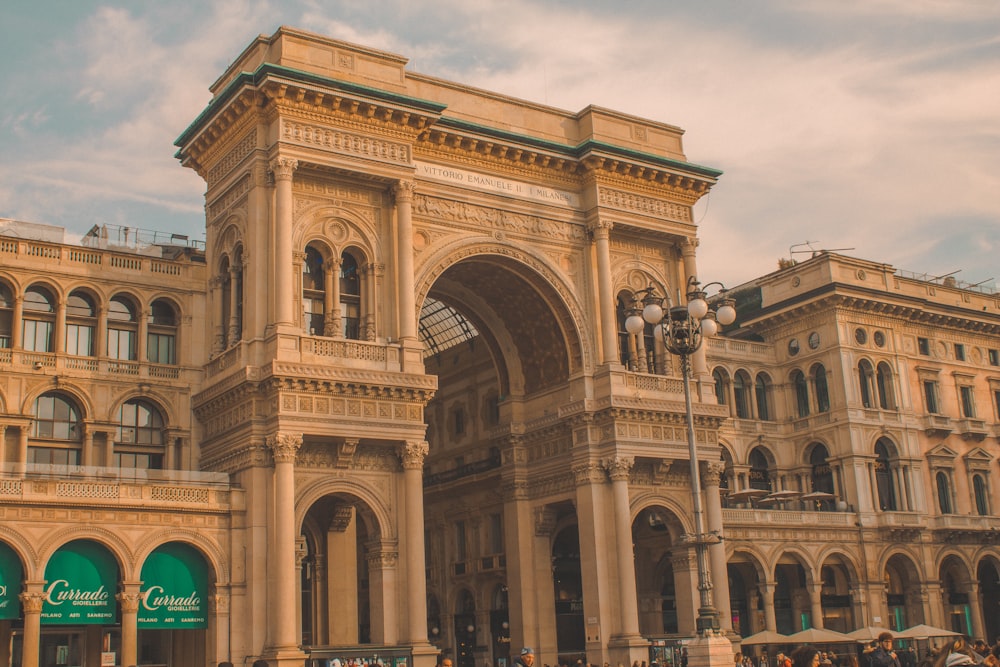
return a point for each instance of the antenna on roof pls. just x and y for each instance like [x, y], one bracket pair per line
[810, 250]
[945, 275]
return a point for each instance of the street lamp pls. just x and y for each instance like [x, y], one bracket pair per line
[683, 329]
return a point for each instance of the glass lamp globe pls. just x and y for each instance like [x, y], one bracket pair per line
[708, 327]
[634, 324]
[652, 313]
[697, 308]
[726, 314]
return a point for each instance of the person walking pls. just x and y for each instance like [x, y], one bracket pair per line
[883, 655]
[526, 659]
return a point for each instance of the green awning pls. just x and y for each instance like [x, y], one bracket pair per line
[11, 578]
[80, 583]
[174, 588]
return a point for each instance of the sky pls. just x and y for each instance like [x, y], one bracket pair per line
[869, 127]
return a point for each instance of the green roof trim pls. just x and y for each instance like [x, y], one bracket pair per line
[577, 152]
[269, 69]
[580, 150]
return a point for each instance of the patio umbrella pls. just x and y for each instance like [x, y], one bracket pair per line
[785, 494]
[818, 495]
[747, 494]
[819, 636]
[764, 637]
[924, 632]
[867, 634]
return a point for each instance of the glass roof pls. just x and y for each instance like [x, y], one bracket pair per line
[443, 327]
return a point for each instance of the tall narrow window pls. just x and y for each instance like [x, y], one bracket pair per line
[924, 346]
[57, 422]
[943, 492]
[981, 494]
[760, 477]
[39, 319]
[122, 329]
[801, 393]
[496, 533]
[822, 475]
[460, 542]
[884, 481]
[721, 386]
[865, 376]
[139, 436]
[930, 397]
[622, 305]
[886, 392]
[762, 392]
[741, 394]
[81, 324]
[161, 341]
[313, 292]
[350, 296]
[822, 389]
[6, 315]
[968, 396]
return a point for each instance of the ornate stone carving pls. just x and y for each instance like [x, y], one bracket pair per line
[629, 201]
[342, 142]
[284, 446]
[403, 191]
[342, 517]
[587, 473]
[345, 452]
[129, 601]
[619, 467]
[412, 454]
[712, 472]
[283, 168]
[545, 521]
[32, 602]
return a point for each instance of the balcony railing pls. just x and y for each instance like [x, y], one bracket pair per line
[29, 360]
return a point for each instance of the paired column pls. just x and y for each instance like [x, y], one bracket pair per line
[130, 597]
[412, 454]
[283, 168]
[618, 470]
[31, 602]
[331, 296]
[601, 232]
[403, 191]
[284, 447]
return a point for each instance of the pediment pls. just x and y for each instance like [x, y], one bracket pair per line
[978, 459]
[942, 455]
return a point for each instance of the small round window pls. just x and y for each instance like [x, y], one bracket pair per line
[813, 340]
[793, 346]
[861, 336]
[879, 338]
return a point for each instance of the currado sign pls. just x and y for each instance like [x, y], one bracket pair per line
[80, 580]
[11, 575]
[174, 589]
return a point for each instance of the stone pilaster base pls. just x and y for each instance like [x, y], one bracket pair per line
[714, 651]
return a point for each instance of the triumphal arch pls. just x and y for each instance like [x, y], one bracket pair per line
[415, 309]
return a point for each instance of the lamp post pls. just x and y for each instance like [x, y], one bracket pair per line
[683, 329]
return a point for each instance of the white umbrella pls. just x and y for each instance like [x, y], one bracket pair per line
[764, 637]
[867, 634]
[819, 636]
[924, 632]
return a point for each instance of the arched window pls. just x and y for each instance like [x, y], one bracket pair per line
[760, 478]
[123, 328]
[865, 377]
[313, 292]
[822, 475]
[161, 340]
[886, 395]
[943, 492]
[226, 292]
[721, 386]
[6, 315]
[350, 296]
[741, 394]
[56, 421]
[139, 435]
[801, 392]
[762, 392]
[821, 388]
[81, 324]
[39, 319]
[622, 307]
[981, 495]
[886, 485]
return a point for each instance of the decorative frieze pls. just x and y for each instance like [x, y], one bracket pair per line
[629, 201]
[345, 143]
[231, 199]
[240, 151]
[482, 217]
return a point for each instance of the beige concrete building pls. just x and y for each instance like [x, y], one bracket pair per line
[390, 408]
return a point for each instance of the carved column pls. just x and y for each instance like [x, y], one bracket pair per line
[284, 447]
[218, 626]
[234, 305]
[60, 333]
[141, 345]
[129, 598]
[283, 168]
[712, 473]
[412, 454]
[31, 602]
[403, 191]
[601, 232]
[17, 325]
[87, 449]
[816, 603]
[382, 569]
[22, 446]
[618, 471]
[331, 298]
[767, 592]
[101, 335]
[218, 330]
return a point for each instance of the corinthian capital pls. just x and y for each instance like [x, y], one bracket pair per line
[283, 167]
[412, 454]
[712, 473]
[619, 467]
[284, 446]
[403, 191]
[600, 228]
[32, 602]
[129, 601]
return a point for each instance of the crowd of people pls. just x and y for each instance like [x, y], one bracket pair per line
[882, 653]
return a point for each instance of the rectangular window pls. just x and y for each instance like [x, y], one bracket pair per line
[37, 336]
[968, 401]
[924, 346]
[160, 349]
[994, 357]
[121, 344]
[996, 402]
[960, 351]
[930, 396]
[79, 340]
[460, 546]
[54, 456]
[139, 461]
[496, 534]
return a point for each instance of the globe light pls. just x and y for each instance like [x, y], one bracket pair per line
[708, 327]
[697, 308]
[634, 324]
[652, 313]
[726, 314]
